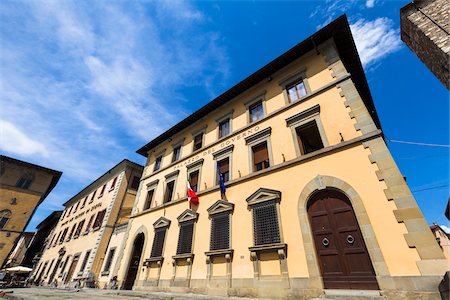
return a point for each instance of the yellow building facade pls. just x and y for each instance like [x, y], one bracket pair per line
[76, 249]
[314, 201]
[23, 186]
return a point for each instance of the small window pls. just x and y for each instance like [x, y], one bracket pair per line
[149, 199]
[70, 211]
[84, 202]
[198, 141]
[169, 191]
[109, 259]
[256, 111]
[25, 181]
[76, 206]
[63, 235]
[176, 153]
[103, 190]
[193, 180]
[158, 161]
[79, 228]
[260, 157]
[63, 214]
[72, 231]
[57, 238]
[113, 184]
[93, 196]
[158, 242]
[88, 227]
[308, 138]
[86, 257]
[265, 224]
[99, 219]
[5, 215]
[224, 166]
[135, 183]
[185, 239]
[224, 128]
[296, 91]
[220, 231]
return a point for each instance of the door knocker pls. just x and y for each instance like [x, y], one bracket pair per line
[325, 242]
[350, 239]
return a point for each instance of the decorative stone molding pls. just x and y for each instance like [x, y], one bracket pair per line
[303, 115]
[195, 164]
[220, 206]
[223, 151]
[228, 255]
[184, 281]
[161, 222]
[262, 195]
[172, 174]
[259, 135]
[187, 215]
[280, 249]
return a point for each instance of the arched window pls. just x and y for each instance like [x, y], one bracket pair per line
[5, 215]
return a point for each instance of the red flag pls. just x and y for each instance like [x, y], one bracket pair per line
[192, 196]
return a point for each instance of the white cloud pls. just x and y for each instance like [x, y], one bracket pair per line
[370, 3]
[375, 39]
[15, 141]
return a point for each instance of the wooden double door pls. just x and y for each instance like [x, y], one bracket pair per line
[341, 251]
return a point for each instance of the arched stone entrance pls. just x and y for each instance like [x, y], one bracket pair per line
[135, 258]
[340, 248]
[321, 182]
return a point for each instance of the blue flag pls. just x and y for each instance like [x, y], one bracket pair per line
[221, 182]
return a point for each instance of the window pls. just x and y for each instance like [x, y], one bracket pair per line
[70, 211]
[224, 165]
[86, 257]
[63, 235]
[296, 91]
[264, 205]
[51, 241]
[260, 157]
[185, 238]
[84, 202]
[88, 227]
[57, 238]
[25, 181]
[99, 219]
[102, 190]
[158, 242]
[79, 228]
[198, 141]
[113, 184]
[308, 138]
[307, 131]
[76, 206]
[158, 161]
[224, 128]
[256, 111]
[149, 199]
[108, 263]
[135, 183]
[63, 214]
[93, 196]
[71, 232]
[193, 180]
[170, 186]
[176, 153]
[5, 215]
[220, 231]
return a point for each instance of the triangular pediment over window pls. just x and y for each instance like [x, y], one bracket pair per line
[161, 222]
[187, 215]
[220, 206]
[263, 195]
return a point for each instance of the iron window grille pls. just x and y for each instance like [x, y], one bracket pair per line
[266, 228]
[220, 231]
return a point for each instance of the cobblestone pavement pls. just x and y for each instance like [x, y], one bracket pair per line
[96, 294]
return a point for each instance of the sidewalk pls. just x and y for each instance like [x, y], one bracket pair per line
[94, 294]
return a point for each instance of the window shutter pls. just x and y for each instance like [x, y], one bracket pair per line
[185, 239]
[158, 242]
[193, 180]
[260, 153]
[148, 200]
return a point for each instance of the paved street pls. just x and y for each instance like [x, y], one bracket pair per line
[52, 293]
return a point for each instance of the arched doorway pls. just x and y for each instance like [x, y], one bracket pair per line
[341, 251]
[135, 258]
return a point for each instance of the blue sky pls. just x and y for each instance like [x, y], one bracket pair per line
[84, 84]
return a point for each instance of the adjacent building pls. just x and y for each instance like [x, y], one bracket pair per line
[425, 29]
[76, 250]
[314, 200]
[23, 186]
[17, 255]
[443, 239]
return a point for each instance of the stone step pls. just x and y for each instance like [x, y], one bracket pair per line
[352, 295]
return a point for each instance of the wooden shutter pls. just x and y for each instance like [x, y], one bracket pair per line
[260, 153]
[193, 180]
[198, 141]
[185, 238]
[148, 200]
[169, 191]
[158, 242]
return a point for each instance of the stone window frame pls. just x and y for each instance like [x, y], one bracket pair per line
[169, 178]
[109, 258]
[187, 216]
[219, 155]
[302, 118]
[5, 214]
[25, 181]
[299, 75]
[229, 116]
[256, 139]
[179, 144]
[150, 186]
[259, 97]
[84, 262]
[158, 155]
[263, 195]
[201, 130]
[191, 168]
[218, 208]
